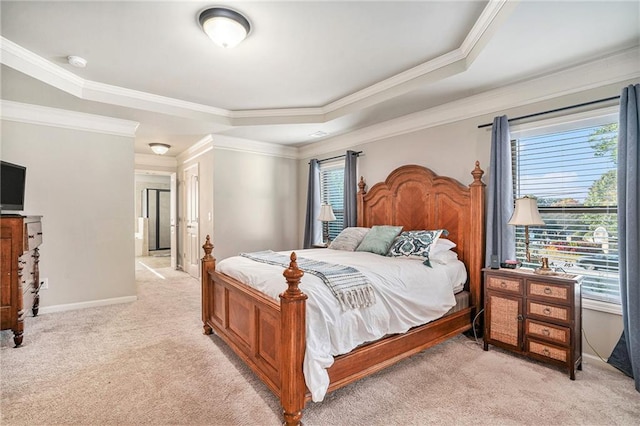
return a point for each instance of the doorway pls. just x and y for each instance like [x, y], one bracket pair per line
[155, 217]
[157, 209]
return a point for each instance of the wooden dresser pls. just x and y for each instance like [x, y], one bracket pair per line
[21, 237]
[539, 316]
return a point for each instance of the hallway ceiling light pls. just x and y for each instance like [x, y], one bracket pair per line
[226, 27]
[159, 148]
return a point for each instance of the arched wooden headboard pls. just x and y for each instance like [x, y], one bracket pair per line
[416, 198]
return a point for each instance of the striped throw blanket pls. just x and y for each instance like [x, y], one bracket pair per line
[352, 289]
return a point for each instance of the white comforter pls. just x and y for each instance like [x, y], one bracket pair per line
[407, 294]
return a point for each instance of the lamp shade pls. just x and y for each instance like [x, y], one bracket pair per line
[326, 213]
[226, 27]
[159, 148]
[526, 212]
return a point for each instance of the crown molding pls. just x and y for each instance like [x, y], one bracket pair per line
[199, 148]
[435, 69]
[54, 117]
[245, 145]
[616, 68]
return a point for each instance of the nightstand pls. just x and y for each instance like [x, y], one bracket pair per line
[538, 316]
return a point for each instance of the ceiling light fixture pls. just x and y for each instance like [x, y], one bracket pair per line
[77, 61]
[226, 27]
[159, 148]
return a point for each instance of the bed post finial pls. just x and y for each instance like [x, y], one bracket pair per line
[293, 275]
[292, 345]
[361, 186]
[477, 174]
[208, 248]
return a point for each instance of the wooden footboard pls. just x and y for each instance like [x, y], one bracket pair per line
[269, 337]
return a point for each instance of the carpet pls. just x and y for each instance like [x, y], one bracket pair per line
[147, 362]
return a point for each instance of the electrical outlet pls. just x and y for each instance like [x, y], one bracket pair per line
[44, 284]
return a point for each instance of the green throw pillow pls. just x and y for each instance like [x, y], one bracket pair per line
[379, 239]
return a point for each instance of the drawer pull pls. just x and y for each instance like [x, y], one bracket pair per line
[547, 290]
[546, 352]
[520, 317]
[546, 331]
[32, 236]
[503, 284]
[547, 311]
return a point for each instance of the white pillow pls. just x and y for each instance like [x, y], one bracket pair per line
[440, 246]
[444, 257]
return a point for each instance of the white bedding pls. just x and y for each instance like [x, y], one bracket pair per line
[407, 294]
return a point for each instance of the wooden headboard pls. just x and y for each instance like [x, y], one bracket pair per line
[416, 198]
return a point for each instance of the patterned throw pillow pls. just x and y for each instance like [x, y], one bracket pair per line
[349, 239]
[379, 239]
[415, 244]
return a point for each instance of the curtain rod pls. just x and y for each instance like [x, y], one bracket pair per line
[336, 157]
[553, 110]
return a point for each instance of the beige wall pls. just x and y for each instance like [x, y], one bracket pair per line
[452, 150]
[82, 183]
[255, 203]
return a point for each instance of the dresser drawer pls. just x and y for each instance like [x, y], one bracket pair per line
[548, 311]
[555, 293]
[555, 333]
[33, 237]
[512, 285]
[547, 351]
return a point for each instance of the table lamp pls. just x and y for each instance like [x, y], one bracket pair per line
[326, 216]
[526, 213]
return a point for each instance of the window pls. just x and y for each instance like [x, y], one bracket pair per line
[573, 174]
[332, 192]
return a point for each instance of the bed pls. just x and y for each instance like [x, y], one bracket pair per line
[270, 335]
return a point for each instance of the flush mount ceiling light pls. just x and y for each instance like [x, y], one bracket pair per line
[159, 148]
[226, 27]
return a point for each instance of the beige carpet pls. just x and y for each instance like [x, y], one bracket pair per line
[148, 362]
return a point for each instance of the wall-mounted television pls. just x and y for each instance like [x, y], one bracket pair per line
[12, 182]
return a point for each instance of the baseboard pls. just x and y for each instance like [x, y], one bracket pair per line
[84, 305]
[595, 361]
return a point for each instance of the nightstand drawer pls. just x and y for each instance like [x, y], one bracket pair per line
[546, 350]
[556, 333]
[546, 311]
[552, 292]
[512, 285]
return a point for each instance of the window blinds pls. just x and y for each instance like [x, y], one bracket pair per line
[573, 175]
[332, 192]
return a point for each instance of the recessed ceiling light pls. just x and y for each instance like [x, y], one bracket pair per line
[77, 61]
[318, 134]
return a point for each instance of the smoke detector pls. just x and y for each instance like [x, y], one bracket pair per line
[77, 61]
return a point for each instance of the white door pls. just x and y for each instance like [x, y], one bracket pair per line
[173, 215]
[192, 241]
